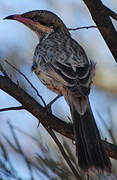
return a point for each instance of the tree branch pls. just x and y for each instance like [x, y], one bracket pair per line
[34, 107]
[47, 120]
[111, 13]
[101, 16]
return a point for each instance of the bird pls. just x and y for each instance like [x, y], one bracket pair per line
[62, 66]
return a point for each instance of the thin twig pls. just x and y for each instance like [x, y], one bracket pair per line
[10, 143]
[27, 81]
[83, 27]
[32, 164]
[20, 150]
[11, 169]
[111, 13]
[4, 170]
[12, 108]
[52, 134]
[4, 153]
[3, 71]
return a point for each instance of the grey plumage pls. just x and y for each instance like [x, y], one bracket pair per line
[67, 60]
[62, 65]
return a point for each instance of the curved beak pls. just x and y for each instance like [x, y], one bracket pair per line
[18, 17]
[13, 17]
[10, 17]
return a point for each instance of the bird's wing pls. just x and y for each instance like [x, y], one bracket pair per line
[78, 79]
[70, 71]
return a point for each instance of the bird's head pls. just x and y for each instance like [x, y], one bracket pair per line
[42, 22]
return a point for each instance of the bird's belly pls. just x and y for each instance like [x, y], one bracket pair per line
[49, 82]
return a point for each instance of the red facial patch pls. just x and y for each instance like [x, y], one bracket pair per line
[21, 19]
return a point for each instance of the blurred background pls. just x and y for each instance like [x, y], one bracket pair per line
[17, 44]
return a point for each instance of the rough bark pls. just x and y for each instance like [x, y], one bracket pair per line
[101, 16]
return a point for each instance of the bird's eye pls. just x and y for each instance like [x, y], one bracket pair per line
[36, 19]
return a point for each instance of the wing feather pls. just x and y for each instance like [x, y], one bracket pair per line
[74, 71]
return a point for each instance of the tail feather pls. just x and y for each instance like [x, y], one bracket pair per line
[89, 147]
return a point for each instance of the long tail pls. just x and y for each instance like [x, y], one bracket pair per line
[89, 148]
